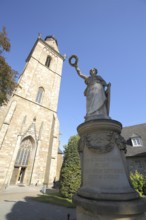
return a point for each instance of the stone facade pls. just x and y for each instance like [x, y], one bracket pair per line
[137, 163]
[29, 126]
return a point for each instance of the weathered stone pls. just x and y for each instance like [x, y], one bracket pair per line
[24, 118]
[106, 192]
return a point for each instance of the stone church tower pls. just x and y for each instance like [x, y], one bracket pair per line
[29, 127]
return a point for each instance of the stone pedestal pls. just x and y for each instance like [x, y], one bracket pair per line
[105, 193]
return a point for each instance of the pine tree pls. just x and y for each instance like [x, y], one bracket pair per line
[7, 75]
[70, 178]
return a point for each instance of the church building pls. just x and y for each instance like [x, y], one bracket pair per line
[29, 126]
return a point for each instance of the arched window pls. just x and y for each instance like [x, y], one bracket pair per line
[24, 153]
[48, 61]
[39, 95]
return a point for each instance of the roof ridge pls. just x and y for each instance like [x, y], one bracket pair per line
[134, 125]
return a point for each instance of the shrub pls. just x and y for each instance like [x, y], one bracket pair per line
[70, 177]
[138, 182]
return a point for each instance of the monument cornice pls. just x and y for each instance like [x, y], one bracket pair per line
[99, 124]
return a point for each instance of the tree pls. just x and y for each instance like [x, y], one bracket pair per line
[70, 178]
[7, 75]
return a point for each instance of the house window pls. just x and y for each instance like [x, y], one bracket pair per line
[136, 142]
[48, 61]
[39, 95]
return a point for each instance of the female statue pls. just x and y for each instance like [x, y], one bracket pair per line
[97, 93]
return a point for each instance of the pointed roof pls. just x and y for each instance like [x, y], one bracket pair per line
[51, 37]
[31, 131]
[47, 45]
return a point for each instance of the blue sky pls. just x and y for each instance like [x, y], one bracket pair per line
[107, 34]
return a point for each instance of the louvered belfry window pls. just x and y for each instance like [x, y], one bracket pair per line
[39, 95]
[48, 61]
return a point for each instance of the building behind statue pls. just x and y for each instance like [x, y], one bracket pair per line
[29, 126]
[135, 137]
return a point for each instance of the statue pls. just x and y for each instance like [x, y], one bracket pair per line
[97, 93]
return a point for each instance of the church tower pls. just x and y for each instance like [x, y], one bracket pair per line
[29, 126]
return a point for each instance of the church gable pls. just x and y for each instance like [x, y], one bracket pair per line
[31, 131]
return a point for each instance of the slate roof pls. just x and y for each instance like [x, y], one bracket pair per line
[60, 151]
[131, 131]
[51, 36]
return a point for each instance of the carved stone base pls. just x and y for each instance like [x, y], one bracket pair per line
[109, 210]
[106, 192]
[84, 215]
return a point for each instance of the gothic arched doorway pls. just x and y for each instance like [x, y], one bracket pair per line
[22, 161]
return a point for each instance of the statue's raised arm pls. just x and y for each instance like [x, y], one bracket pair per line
[97, 93]
[73, 61]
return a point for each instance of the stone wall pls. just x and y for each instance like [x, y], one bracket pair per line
[59, 165]
[137, 163]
